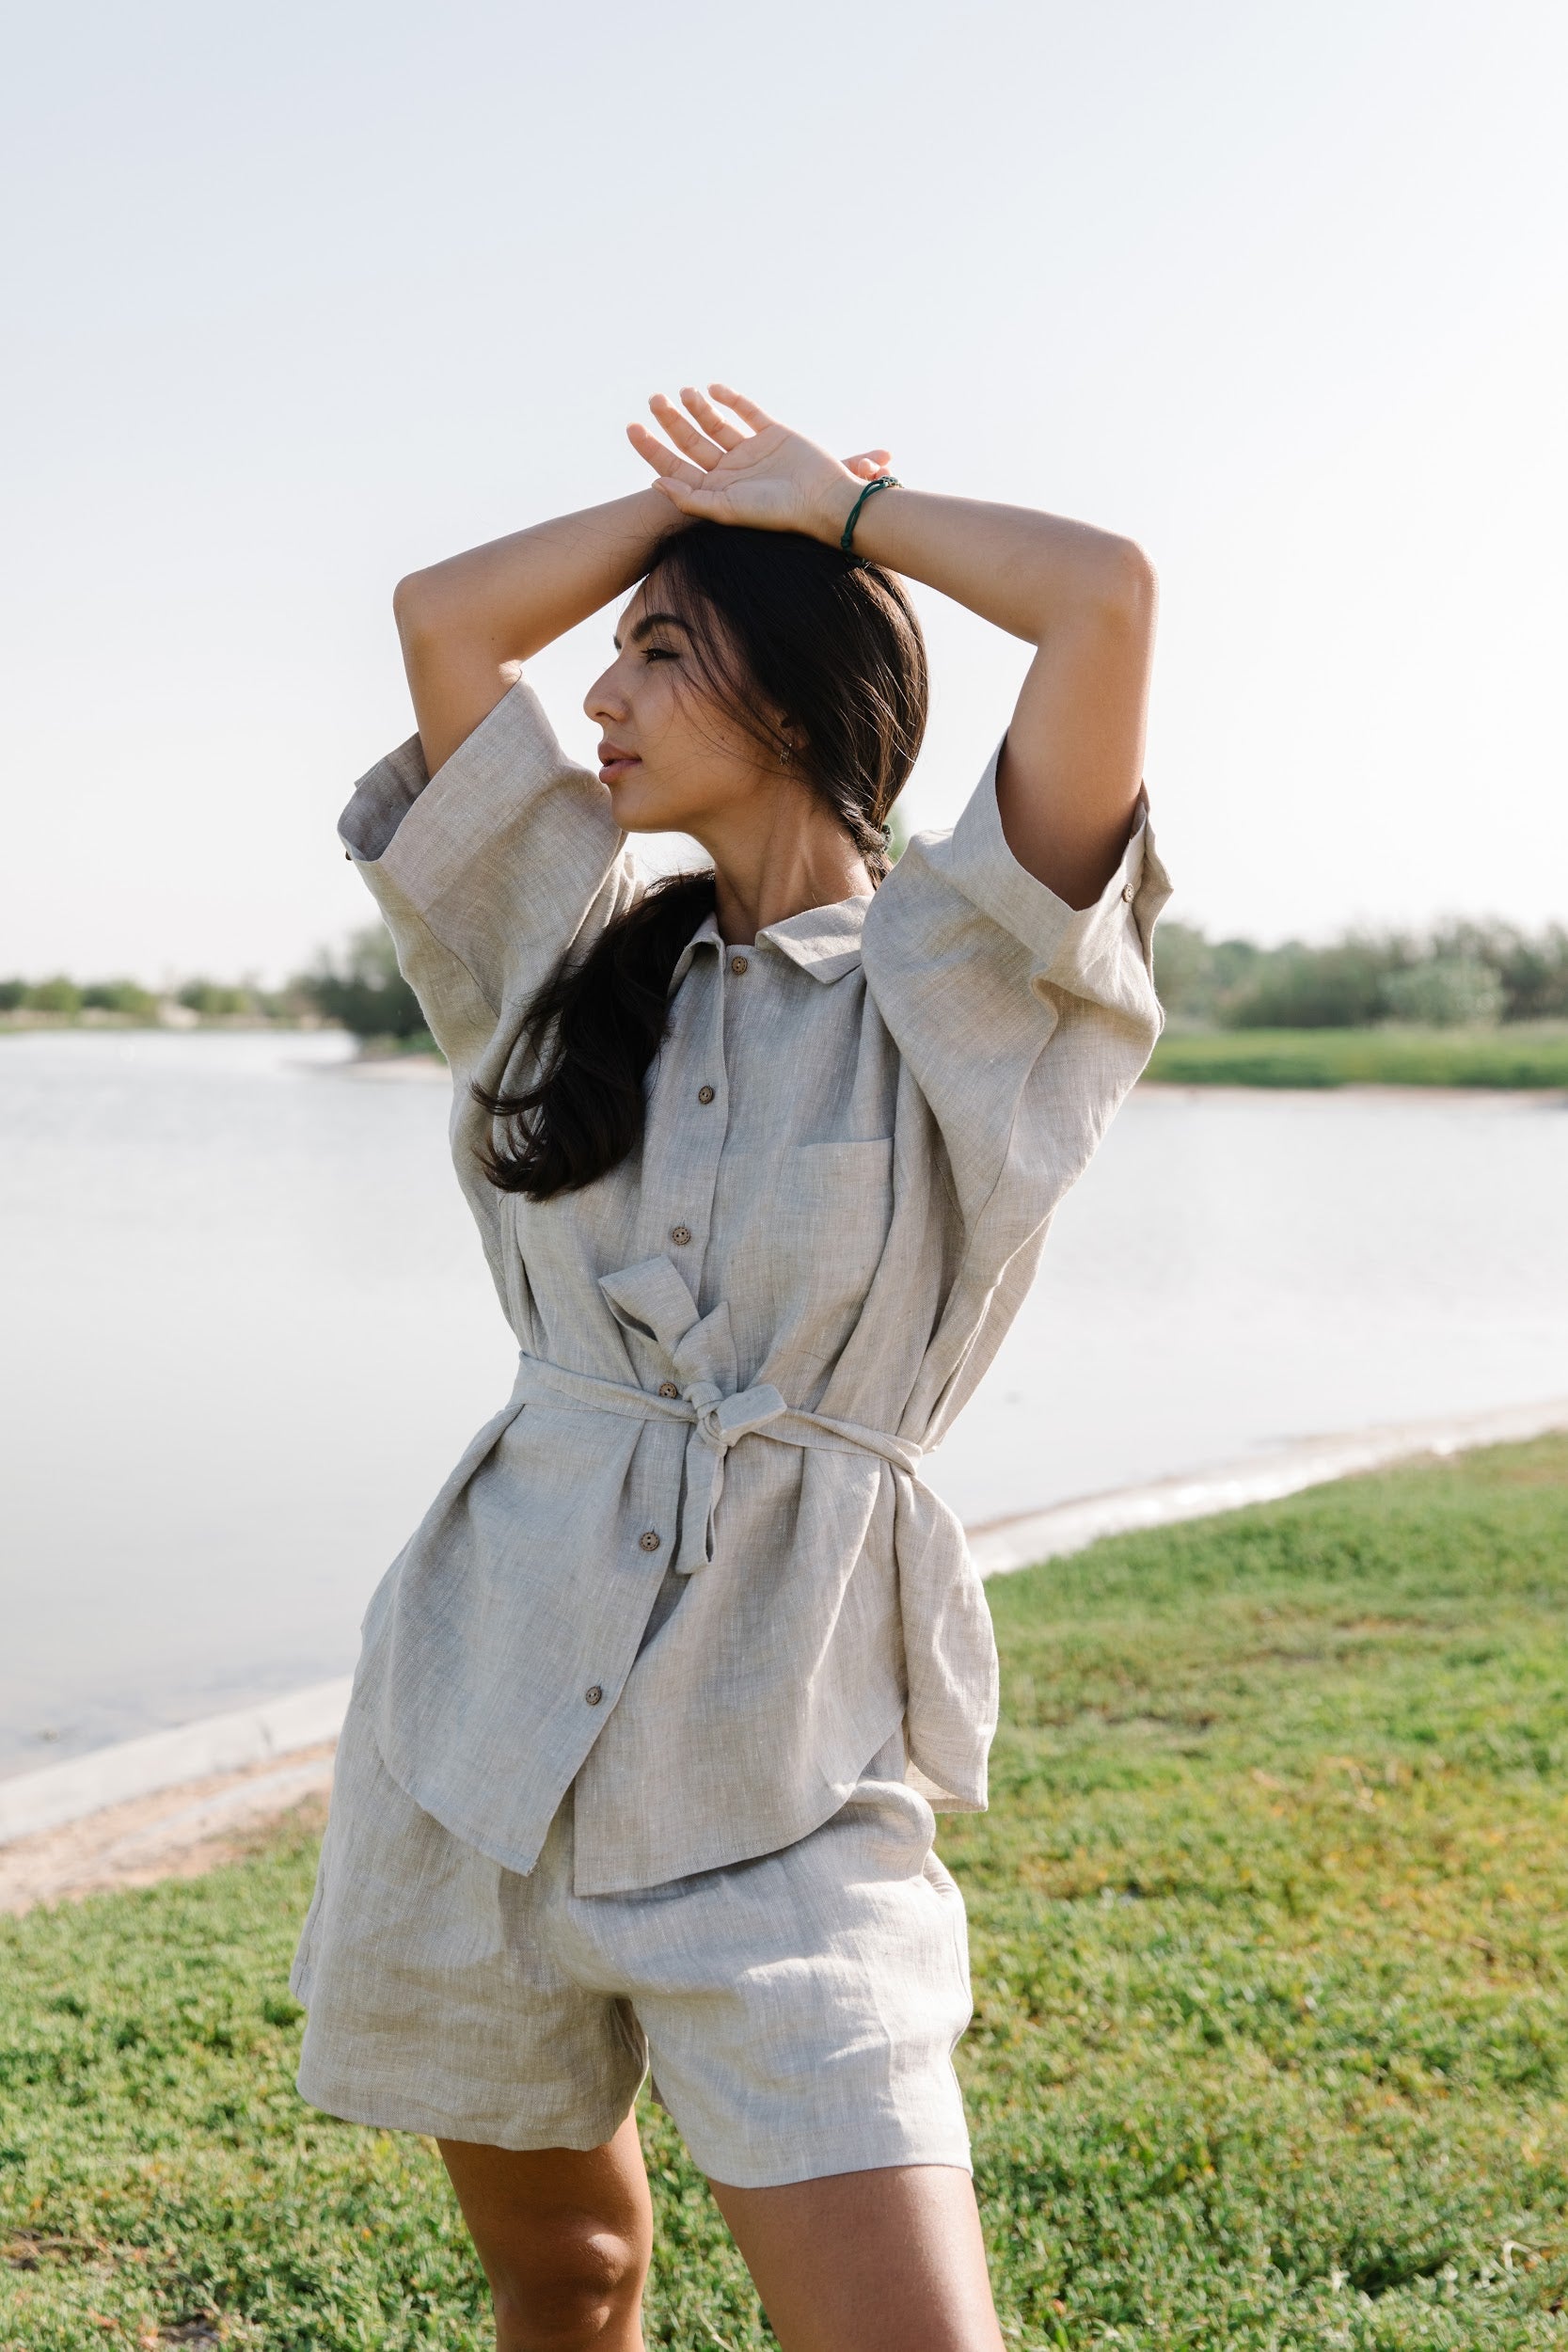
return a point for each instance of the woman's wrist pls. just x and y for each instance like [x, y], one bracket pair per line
[638, 523]
[834, 507]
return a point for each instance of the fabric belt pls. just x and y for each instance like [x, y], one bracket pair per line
[717, 1422]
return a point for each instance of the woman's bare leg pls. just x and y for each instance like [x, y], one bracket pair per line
[565, 2239]
[865, 2262]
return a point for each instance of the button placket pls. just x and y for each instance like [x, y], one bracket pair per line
[697, 1145]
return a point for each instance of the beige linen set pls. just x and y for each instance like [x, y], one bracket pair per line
[685, 1595]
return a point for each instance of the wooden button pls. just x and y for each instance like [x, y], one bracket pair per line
[667, 1388]
[704, 1094]
[1127, 892]
[649, 1539]
[680, 1235]
[594, 1694]
[739, 964]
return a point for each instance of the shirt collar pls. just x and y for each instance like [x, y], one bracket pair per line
[823, 941]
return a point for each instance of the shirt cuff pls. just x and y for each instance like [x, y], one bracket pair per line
[492, 782]
[382, 799]
[1082, 950]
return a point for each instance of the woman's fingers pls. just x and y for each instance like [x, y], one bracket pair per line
[746, 410]
[685, 435]
[661, 459]
[718, 428]
[870, 463]
[664, 461]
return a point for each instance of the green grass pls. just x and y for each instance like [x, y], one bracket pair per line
[1523, 1053]
[1271, 1941]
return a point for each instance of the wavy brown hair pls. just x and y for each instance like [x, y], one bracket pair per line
[779, 623]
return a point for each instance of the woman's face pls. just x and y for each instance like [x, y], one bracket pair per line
[673, 760]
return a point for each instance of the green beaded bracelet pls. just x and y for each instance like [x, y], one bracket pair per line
[883, 482]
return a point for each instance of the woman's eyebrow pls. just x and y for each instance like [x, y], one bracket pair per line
[652, 621]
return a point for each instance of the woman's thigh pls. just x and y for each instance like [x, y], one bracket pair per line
[564, 2238]
[857, 2260]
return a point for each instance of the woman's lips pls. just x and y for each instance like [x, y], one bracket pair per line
[615, 763]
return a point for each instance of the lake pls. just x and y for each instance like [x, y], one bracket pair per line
[248, 1329]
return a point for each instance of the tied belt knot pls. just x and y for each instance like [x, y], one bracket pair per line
[653, 1300]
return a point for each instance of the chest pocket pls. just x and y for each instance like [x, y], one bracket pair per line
[823, 1214]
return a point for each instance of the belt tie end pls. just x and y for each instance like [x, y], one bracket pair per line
[721, 1422]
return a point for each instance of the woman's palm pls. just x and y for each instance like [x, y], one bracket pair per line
[767, 477]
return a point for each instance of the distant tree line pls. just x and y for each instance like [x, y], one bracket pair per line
[208, 1000]
[1460, 976]
[359, 989]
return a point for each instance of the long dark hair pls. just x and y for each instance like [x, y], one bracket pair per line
[779, 623]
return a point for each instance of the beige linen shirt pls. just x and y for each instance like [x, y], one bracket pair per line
[735, 1348]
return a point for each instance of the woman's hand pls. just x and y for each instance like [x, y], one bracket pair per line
[768, 477]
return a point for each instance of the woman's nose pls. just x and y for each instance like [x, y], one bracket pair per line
[602, 701]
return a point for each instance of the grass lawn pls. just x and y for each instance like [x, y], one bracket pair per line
[1270, 1937]
[1523, 1053]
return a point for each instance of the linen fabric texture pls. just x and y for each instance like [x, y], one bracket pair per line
[737, 1346]
[801, 2010]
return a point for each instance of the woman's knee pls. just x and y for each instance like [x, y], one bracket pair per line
[573, 2289]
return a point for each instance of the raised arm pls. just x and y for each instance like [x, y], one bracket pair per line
[1072, 765]
[467, 624]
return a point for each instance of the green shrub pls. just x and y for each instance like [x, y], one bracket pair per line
[56, 995]
[1445, 992]
[363, 990]
[1533, 970]
[1195, 976]
[122, 997]
[214, 1000]
[1312, 987]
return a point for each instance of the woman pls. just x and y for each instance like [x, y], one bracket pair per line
[652, 1709]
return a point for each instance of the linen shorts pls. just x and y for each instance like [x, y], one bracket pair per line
[799, 2012]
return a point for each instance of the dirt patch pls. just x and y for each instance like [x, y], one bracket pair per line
[179, 1833]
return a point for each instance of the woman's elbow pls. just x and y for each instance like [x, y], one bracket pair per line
[412, 608]
[1131, 586]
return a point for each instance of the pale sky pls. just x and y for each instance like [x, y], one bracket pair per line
[301, 297]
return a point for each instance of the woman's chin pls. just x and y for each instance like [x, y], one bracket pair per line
[638, 810]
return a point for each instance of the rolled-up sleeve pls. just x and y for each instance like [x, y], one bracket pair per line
[490, 870]
[1103, 953]
[1024, 1021]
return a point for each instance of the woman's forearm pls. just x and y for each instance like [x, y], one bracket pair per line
[465, 623]
[1022, 571]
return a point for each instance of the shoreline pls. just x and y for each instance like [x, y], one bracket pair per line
[1515, 1061]
[176, 1802]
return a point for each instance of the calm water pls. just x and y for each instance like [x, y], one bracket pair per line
[247, 1330]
